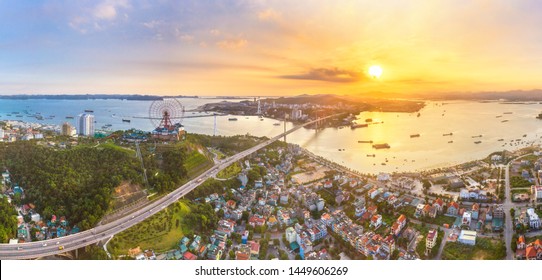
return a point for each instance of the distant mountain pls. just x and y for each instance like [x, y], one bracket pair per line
[318, 99]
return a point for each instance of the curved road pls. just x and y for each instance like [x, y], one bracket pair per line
[55, 246]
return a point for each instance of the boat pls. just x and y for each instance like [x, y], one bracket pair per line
[19, 116]
[477, 136]
[69, 117]
[508, 113]
[89, 111]
[373, 155]
[498, 117]
[477, 142]
[504, 120]
[232, 119]
[358, 125]
[126, 120]
[261, 119]
[381, 146]
[418, 115]
[524, 135]
[366, 141]
[500, 139]
[9, 115]
[414, 135]
[448, 134]
[276, 124]
[449, 142]
[539, 116]
[383, 163]
[368, 120]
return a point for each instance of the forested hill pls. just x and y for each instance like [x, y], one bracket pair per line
[76, 183]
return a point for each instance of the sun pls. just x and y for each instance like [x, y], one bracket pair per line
[375, 71]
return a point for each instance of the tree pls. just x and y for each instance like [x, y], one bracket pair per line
[8, 221]
[232, 255]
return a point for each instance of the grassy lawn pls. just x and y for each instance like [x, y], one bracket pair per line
[229, 171]
[161, 232]
[519, 182]
[196, 163]
[441, 219]
[485, 249]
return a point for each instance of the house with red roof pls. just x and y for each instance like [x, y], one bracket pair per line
[453, 208]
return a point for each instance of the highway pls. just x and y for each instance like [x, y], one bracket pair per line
[32, 250]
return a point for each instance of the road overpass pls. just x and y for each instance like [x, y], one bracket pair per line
[33, 250]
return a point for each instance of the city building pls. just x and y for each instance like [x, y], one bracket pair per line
[85, 125]
[534, 220]
[430, 241]
[537, 190]
[467, 237]
[67, 129]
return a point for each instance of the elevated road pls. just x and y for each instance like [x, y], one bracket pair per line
[71, 242]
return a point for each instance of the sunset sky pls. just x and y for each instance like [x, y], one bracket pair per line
[269, 47]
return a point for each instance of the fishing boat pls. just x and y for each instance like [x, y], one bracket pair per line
[381, 146]
[358, 125]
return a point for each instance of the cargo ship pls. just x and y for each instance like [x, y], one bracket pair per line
[358, 125]
[381, 146]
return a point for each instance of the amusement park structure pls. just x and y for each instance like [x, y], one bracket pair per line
[166, 116]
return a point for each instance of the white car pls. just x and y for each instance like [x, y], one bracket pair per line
[44, 244]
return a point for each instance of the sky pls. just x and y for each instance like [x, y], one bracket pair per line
[242, 47]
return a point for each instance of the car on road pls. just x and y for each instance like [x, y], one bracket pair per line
[57, 242]
[44, 244]
[19, 248]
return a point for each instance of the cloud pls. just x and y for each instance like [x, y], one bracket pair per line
[92, 18]
[329, 75]
[153, 23]
[232, 44]
[269, 15]
[186, 38]
[107, 10]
